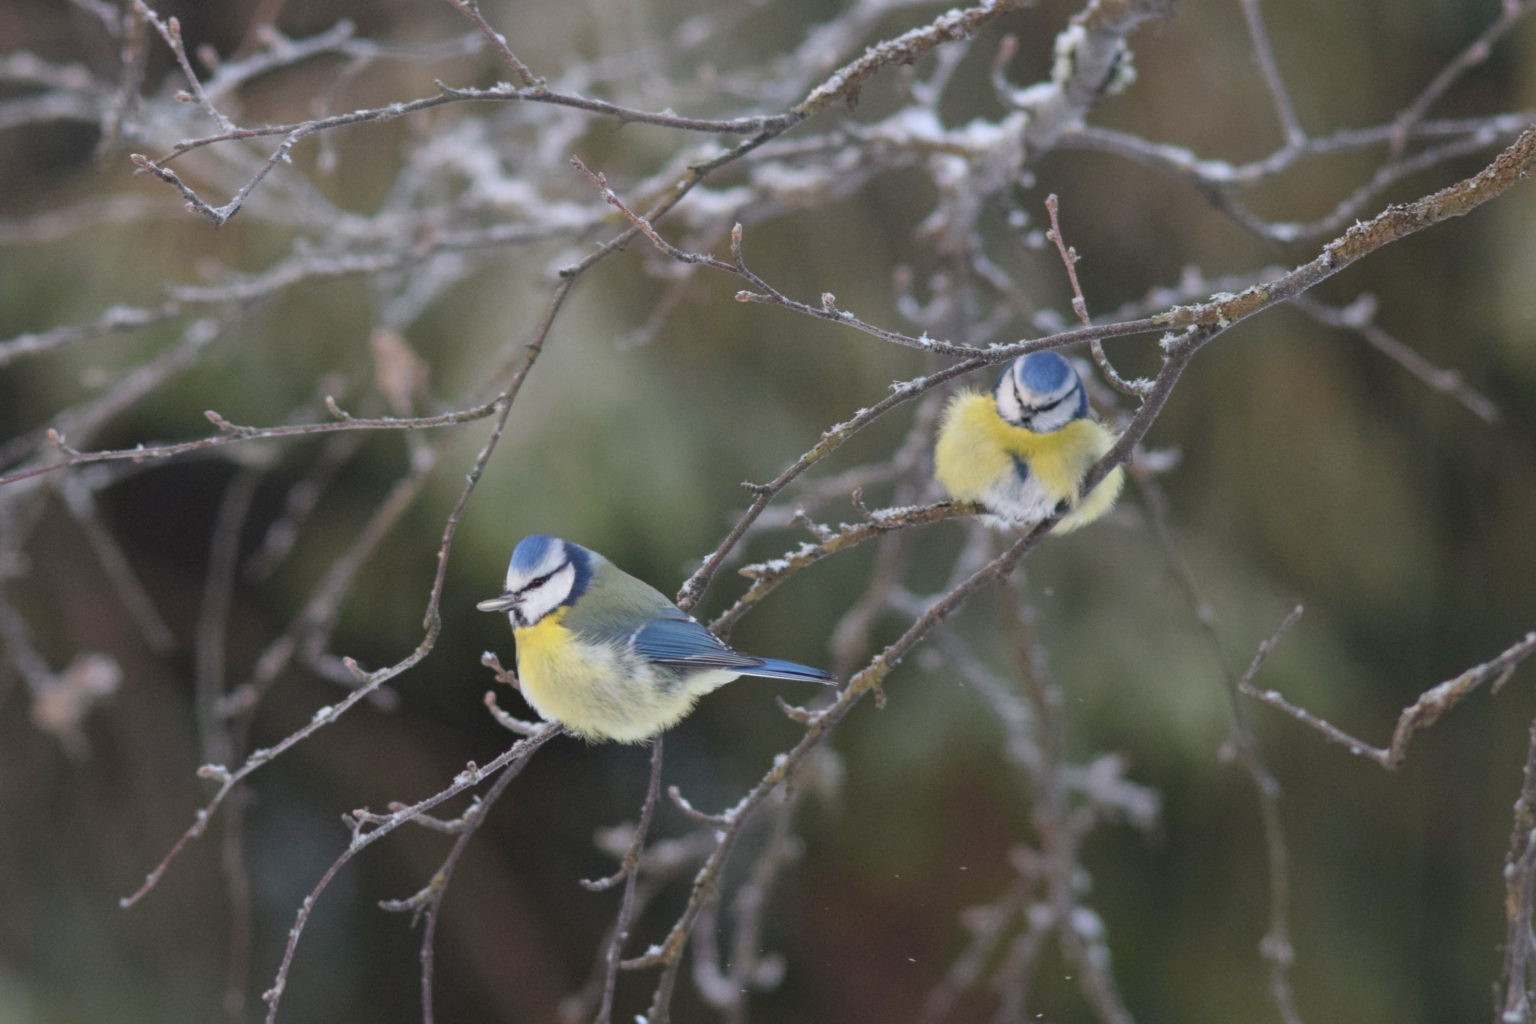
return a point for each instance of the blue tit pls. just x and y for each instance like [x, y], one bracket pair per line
[1026, 447]
[608, 656]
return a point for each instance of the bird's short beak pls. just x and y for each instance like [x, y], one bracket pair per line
[499, 604]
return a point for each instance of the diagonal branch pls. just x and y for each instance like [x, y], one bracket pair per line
[1421, 714]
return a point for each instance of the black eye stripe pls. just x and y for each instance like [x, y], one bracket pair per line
[1035, 410]
[539, 581]
[1048, 406]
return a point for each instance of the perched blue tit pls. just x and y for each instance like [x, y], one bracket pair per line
[1026, 447]
[606, 655]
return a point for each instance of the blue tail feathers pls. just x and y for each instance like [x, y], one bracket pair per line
[777, 668]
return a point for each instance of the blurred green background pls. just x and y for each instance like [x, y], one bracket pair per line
[1311, 469]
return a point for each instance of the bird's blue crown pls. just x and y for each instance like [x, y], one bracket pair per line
[537, 548]
[533, 549]
[1045, 373]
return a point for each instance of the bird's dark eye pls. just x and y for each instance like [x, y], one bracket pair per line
[535, 584]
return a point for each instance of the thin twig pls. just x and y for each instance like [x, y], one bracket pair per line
[216, 739]
[132, 596]
[1359, 316]
[1393, 224]
[429, 901]
[170, 31]
[1069, 260]
[1275, 947]
[133, 56]
[1421, 714]
[1477, 51]
[629, 870]
[1076, 928]
[954, 25]
[768, 576]
[369, 682]
[1519, 978]
[368, 828]
[471, 10]
[761, 291]
[230, 433]
[1218, 180]
[1264, 55]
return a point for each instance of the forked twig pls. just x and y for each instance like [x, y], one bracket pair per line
[368, 828]
[1069, 260]
[1421, 714]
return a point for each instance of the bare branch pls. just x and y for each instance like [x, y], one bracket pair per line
[1393, 224]
[429, 900]
[1510, 12]
[1360, 316]
[767, 576]
[469, 198]
[368, 828]
[170, 31]
[1519, 979]
[471, 10]
[1264, 55]
[953, 25]
[628, 871]
[1069, 260]
[1421, 714]
[1218, 180]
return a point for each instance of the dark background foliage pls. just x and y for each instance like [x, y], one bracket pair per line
[1304, 466]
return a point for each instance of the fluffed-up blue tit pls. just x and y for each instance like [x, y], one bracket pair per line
[1026, 447]
[608, 656]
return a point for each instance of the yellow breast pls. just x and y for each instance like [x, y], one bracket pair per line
[977, 455]
[598, 691]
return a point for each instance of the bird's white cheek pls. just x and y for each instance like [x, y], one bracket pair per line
[541, 600]
[1008, 405]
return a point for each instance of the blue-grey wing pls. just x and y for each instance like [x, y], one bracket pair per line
[683, 643]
